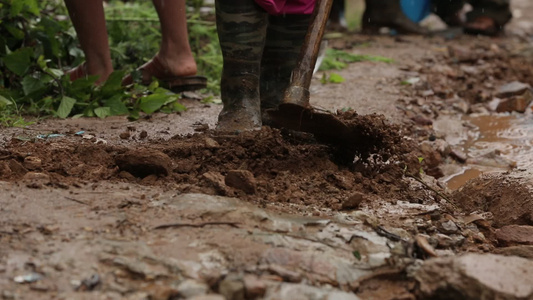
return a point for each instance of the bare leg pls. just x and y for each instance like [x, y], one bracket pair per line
[175, 52]
[89, 21]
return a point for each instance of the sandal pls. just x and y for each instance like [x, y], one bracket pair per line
[176, 84]
[78, 72]
[482, 26]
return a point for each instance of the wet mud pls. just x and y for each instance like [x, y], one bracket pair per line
[266, 166]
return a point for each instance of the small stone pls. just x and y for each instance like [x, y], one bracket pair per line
[232, 287]
[32, 163]
[515, 235]
[143, 135]
[353, 201]
[421, 120]
[287, 275]
[190, 288]
[255, 287]
[516, 103]
[514, 88]
[216, 180]
[458, 155]
[448, 227]
[242, 180]
[125, 135]
[144, 162]
[35, 176]
[211, 143]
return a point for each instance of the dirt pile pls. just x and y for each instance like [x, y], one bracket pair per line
[281, 166]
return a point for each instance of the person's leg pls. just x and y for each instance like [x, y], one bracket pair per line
[336, 15]
[89, 21]
[241, 27]
[175, 52]
[448, 11]
[388, 13]
[488, 16]
[285, 36]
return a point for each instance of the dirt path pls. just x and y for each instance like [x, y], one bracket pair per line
[164, 208]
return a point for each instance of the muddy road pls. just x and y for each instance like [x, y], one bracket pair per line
[436, 203]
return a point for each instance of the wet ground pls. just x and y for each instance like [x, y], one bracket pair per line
[166, 208]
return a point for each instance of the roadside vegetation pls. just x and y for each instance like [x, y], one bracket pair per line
[38, 44]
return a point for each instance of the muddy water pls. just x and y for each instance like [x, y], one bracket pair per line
[509, 136]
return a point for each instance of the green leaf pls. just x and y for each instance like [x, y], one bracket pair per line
[19, 61]
[65, 107]
[102, 112]
[31, 85]
[178, 107]
[117, 107]
[18, 5]
[152, 103]
[336, 78]
[4, 102]
[113, 84]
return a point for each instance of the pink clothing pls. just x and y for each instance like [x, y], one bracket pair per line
[289, 7]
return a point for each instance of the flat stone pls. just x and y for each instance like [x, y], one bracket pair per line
[520, 251]
[512, 89]
[515, 235]
[476, 276]
[189, 288]
[306, 292]
[242, 180]
[458, 155]
[36, 176]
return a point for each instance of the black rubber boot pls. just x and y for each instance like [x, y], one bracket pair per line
[388, 13]
[241, 26]
[285, 36]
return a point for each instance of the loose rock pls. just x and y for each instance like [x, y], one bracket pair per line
[242, 180]
[476, 276]
[521, 251]
[144, 162]
[32, 163]
[515, 235]
[254, 286]
[512, 89]
[353, 201]
[232, 287]
[516, 103]
[190, 288]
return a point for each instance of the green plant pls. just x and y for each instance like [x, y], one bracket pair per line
[37, 43]
[339, 59]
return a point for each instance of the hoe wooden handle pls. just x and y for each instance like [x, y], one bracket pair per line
[298, 91]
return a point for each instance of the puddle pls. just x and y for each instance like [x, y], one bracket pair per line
[509, 135]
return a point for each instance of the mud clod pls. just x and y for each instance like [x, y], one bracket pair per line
[144, 162]
[242, 180]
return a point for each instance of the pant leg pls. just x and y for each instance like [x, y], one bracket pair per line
[241, 27]
[285, 36]
[498, 10]
[448, 10]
